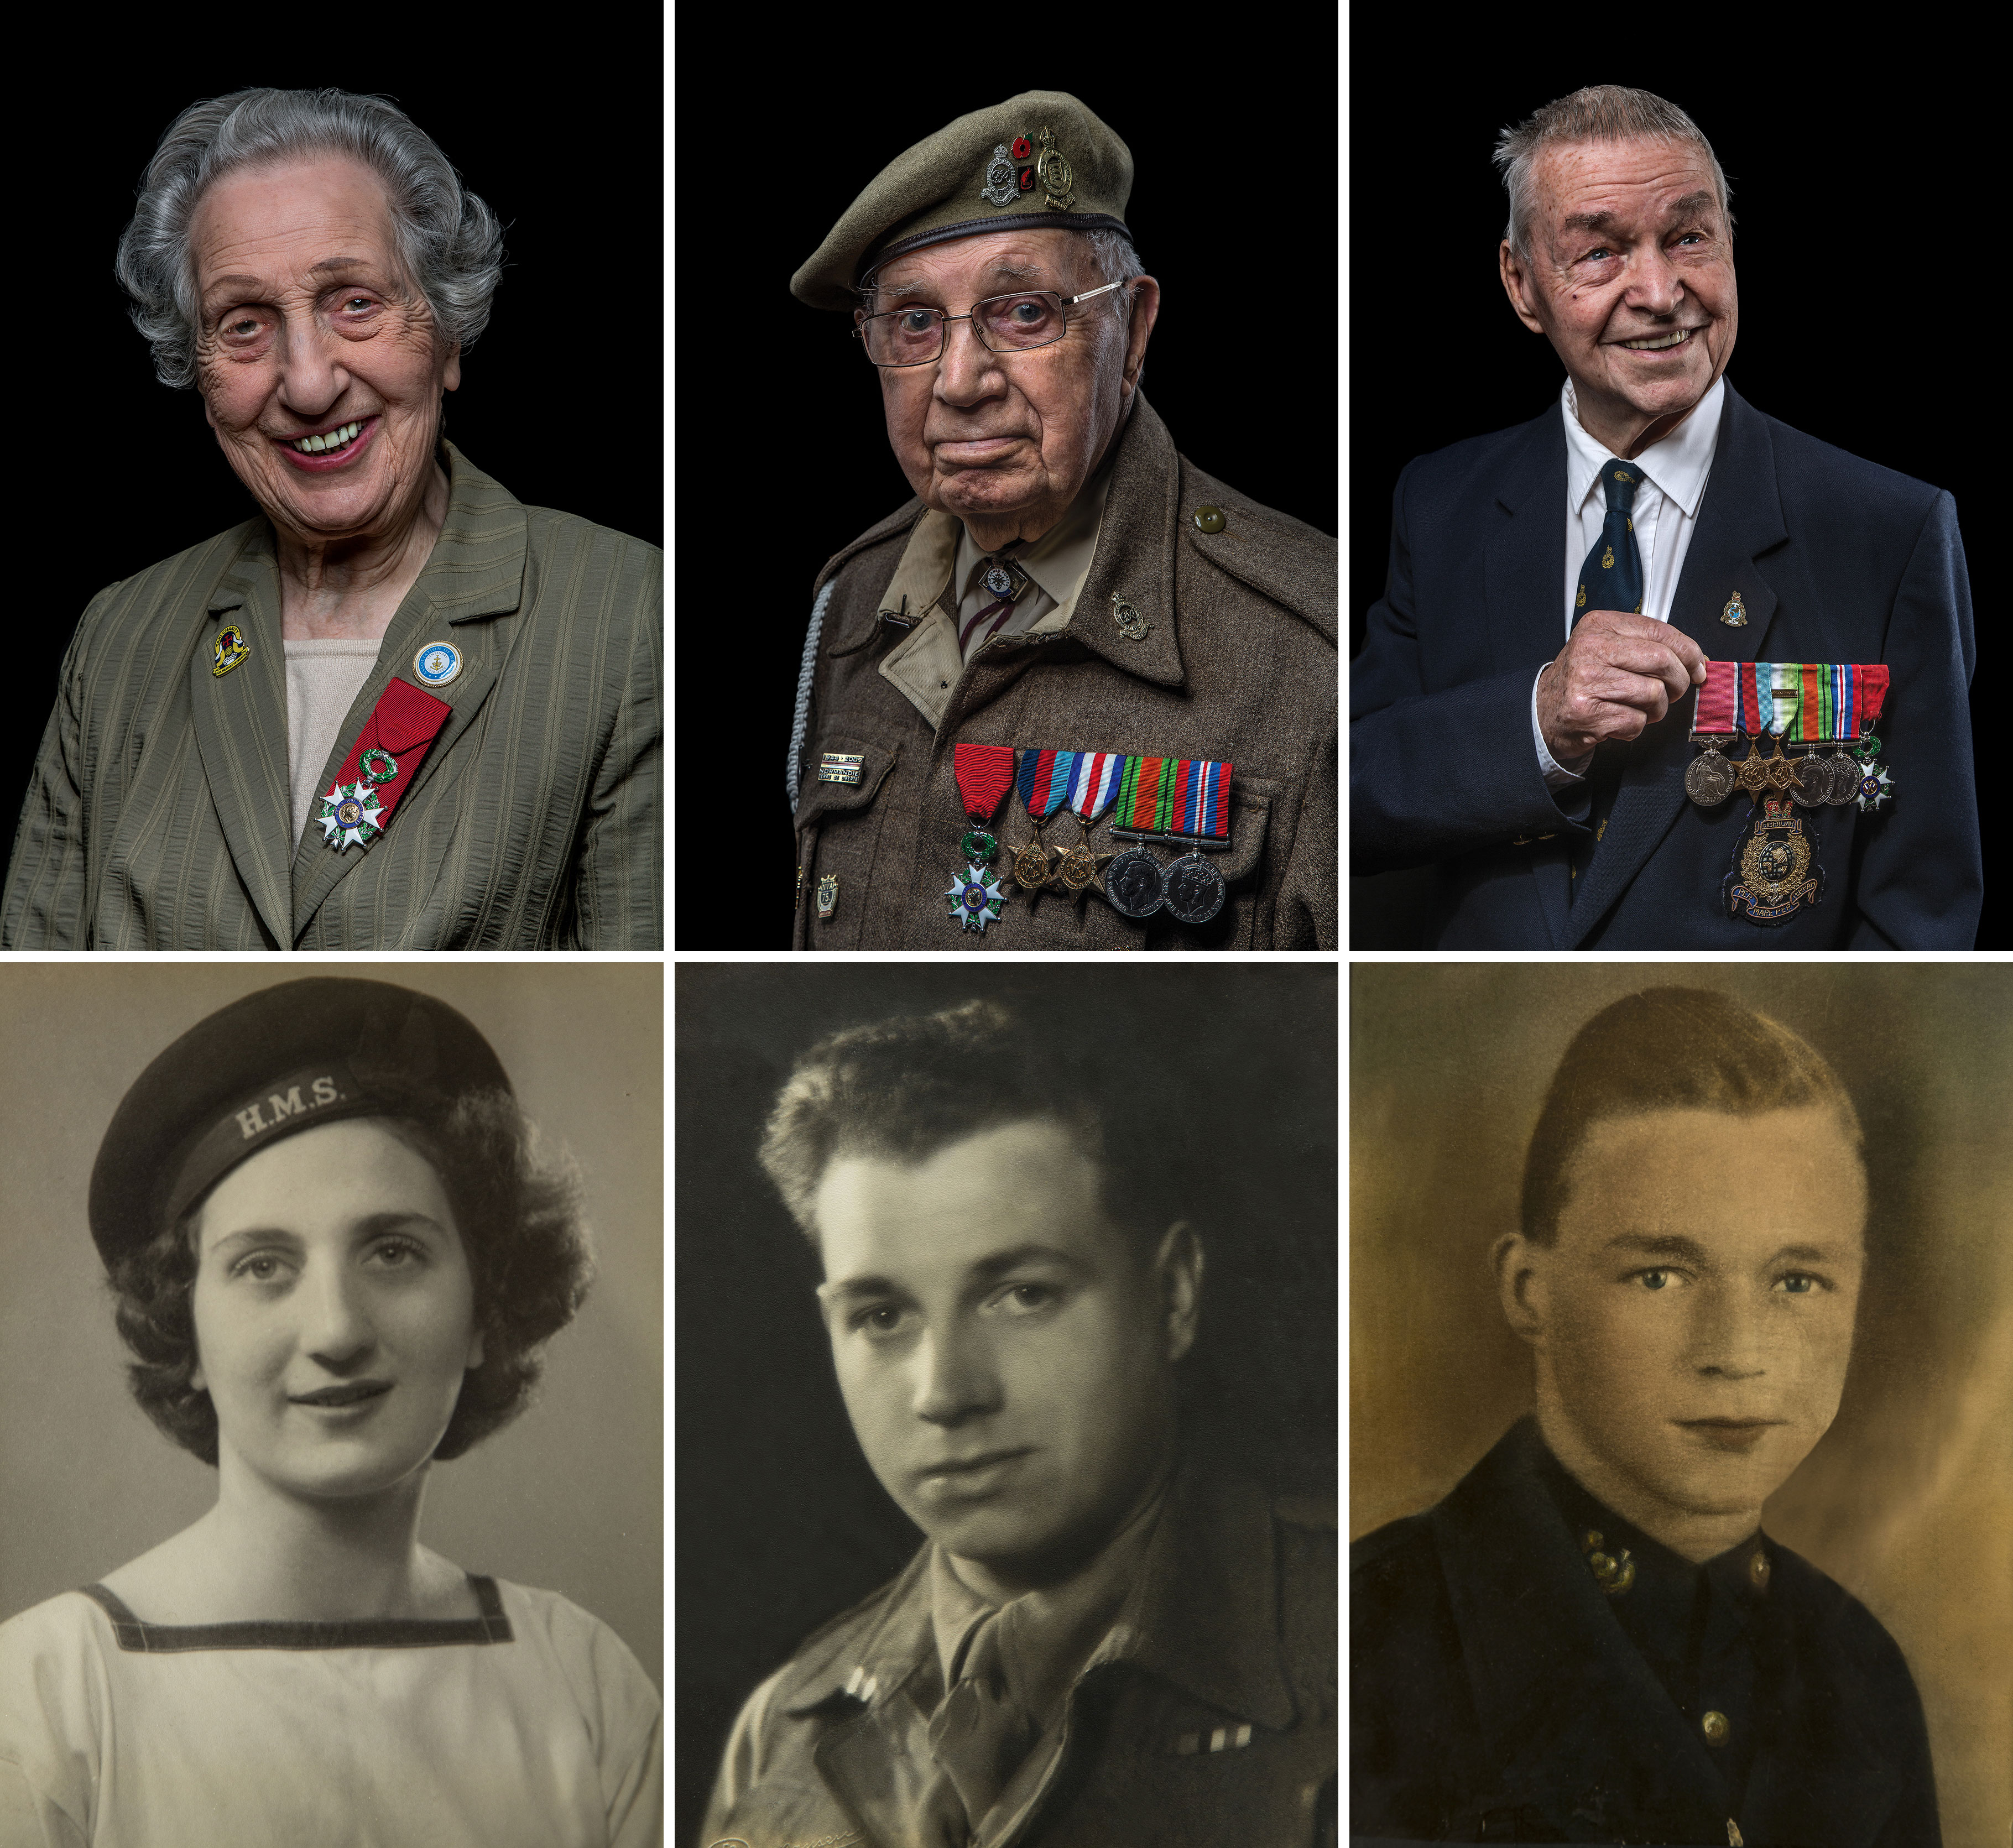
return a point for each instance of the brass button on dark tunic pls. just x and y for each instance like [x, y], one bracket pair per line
[1209, 520]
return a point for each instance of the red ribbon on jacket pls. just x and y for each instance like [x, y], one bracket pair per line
[403, 724]
[984, 774]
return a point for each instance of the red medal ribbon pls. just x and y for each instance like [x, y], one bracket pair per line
[984, 774]
[1716, 697]
[1871, 682]
[403, 724]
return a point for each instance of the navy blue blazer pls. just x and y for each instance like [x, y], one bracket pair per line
[1835, 558]
[1495, 1696]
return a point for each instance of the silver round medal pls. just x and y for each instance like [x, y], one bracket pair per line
[1844, 780]
[1195, 890]
[1709, 780]
[1134, 883]
[1812, 787]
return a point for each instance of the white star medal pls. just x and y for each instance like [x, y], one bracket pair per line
[975, 900]
[350, 817]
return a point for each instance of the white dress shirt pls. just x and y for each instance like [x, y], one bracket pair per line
[1666, 511]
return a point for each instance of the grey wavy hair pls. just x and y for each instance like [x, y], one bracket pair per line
[1601, 112]
[449, 242]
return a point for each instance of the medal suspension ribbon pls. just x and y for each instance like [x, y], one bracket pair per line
[1044, 784]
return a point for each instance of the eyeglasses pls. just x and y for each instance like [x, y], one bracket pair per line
[1003, 323]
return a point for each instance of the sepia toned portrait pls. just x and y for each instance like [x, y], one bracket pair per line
[1008, 1393]
[1680, 1352]
[330, 1484]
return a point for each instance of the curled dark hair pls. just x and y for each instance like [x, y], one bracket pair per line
[520, 1216]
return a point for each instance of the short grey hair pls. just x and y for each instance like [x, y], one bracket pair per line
[1601, 112]
[449, 243]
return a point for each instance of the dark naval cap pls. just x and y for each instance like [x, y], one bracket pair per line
[1039, 160]
[285, 1059]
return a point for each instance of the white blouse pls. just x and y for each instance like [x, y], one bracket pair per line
[531, 1725]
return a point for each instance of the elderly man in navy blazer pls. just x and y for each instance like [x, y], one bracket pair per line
[1546, 782]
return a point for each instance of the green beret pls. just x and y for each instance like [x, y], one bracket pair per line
[283, 1059]
[1040, 158]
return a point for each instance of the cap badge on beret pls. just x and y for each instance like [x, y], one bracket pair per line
[350, 816]
[1016, 168]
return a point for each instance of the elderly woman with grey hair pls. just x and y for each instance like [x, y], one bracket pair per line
[399, 710]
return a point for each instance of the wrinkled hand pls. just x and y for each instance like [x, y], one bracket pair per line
[1616, 674]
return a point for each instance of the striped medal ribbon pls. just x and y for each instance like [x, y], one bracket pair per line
[1179, 799]
[1094, 778]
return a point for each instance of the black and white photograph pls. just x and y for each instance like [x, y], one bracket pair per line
[330, 1482]
[1681, 1346]
[1007, 1392]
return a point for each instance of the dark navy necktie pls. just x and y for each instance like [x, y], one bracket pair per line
[1612, 577]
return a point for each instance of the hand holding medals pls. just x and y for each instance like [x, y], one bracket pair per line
[1776, 872]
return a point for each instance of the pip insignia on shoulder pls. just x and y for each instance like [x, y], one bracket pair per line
[231, 648]
[1613, 1572]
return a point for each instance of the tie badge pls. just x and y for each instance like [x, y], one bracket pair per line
[1735, 614]
[436, 663]
[231, 648]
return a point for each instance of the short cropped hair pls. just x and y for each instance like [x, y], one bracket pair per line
[1669, 1048]
[521, 1217]
[448, 242]
[901, 1089]
[1601, 112]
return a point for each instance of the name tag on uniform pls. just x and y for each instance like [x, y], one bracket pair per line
[839, 767]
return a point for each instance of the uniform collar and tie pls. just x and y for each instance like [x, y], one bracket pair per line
[1675, 467]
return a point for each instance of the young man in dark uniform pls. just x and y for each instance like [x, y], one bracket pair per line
[1591, 1639]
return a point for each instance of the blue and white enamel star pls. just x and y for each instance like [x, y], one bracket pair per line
[349, 817]
[976, 899]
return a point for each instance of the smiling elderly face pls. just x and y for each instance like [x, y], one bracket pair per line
[306, 325]
[1630, 275]
[1007, 442]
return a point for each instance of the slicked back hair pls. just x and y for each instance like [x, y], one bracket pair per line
[1601, 112]
[901, 1089]
[1669, 1048]
[448, 242]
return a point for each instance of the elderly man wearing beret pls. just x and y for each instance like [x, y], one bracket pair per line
[398, 709]
[1068, 615]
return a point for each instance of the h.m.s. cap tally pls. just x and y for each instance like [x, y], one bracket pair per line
[1039, 160]
[282, 1060]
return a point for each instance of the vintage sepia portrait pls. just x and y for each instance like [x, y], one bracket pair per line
[1681, 1323]
[1007, 1389]
[330, 1482]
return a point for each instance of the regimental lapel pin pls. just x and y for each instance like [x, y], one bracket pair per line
[231, 649]
[1131, 624]
[1613, 1572]
[1735, 614]
[828, 894]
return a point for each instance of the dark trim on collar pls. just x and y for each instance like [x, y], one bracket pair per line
[136, 1636]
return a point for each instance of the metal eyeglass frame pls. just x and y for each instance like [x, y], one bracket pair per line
[1064, 302]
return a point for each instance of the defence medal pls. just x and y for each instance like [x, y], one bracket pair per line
[984, 774]
[1775, 870]
[1043, 783]
[1709, 780]
[1094, 786]
[1182, 800]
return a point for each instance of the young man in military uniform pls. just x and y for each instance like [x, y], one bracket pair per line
[1064, 583]
[1592, 1639]
[1104, 1640]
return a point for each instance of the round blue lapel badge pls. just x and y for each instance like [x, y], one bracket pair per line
[436, 663]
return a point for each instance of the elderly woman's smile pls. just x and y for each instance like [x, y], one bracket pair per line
[319, 363]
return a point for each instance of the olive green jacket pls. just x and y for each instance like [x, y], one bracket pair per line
[1208, 1716]
[1238, 665]
[160, 817]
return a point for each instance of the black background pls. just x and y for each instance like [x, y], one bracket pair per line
[1863, 240]
[784, 459]
[560, 400]
[780, 1524]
